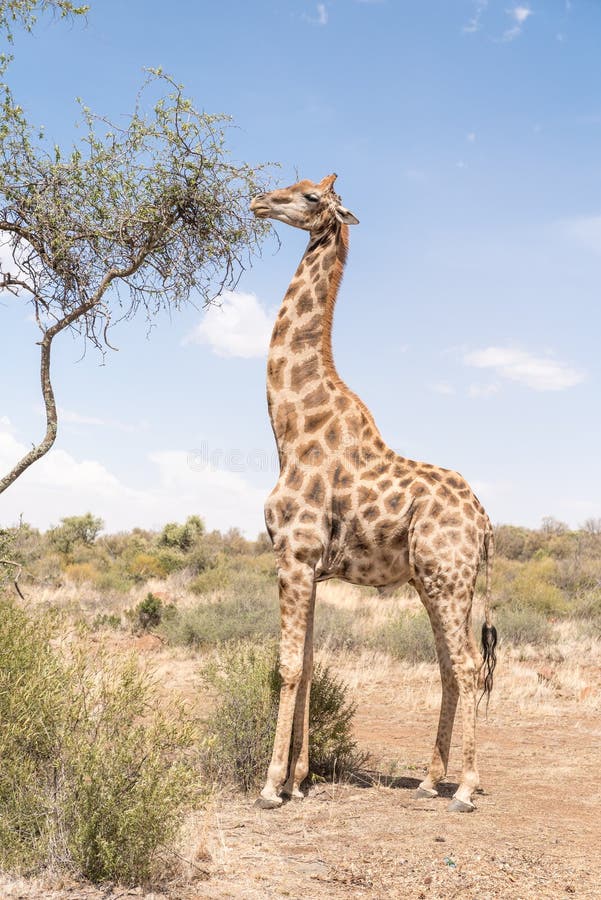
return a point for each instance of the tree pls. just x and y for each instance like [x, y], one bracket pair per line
[550, 525]
[75, 530]
[182, 537]
[592, 526]
[137, 217]
[23, 13]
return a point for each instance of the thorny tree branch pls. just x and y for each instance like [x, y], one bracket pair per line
[146, 217]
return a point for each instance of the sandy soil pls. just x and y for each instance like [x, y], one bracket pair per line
[536, 832]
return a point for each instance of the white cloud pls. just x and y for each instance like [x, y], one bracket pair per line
[585, 230]
[6, 258]
[320, 17]
[471, 137]
[69, 417]
[55, 472]
[239, 326]
[475, 22]
[61, 485]
[8, 264]
[519, 14]
[541, 373]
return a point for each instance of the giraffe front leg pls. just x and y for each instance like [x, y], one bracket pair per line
[296, 585]
[299, 763]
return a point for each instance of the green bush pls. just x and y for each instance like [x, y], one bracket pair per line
[150, 612]
[587, 607]
[332, 747]
[94, 775]
[535, 586]
[220, 621]
[408, 637]
[127, 775]
[33, 687]
[242, 727]
[215, 578]
[518, 624]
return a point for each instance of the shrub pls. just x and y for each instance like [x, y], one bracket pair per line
[510, 541]
[408, 637]
[211, 580]
[242, 727]
[535, 586]
[143, 566]
[587, 606]
[332, 747]
[33, 685]
[171, 561]
[81, 572]
[148, 612]
[221, 621]
[518, 625]
[93, 773]
[127, 776]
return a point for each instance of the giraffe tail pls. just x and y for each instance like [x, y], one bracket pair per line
[489, 632]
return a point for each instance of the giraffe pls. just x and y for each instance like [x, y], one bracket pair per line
[347, 506]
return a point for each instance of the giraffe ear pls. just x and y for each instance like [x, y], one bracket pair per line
[328, 181]
[345, 216]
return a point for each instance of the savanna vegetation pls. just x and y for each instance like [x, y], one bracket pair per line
[103, 758]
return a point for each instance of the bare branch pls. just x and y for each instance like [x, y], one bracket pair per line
[19, 568]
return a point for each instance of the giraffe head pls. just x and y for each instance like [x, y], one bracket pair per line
[308, 205]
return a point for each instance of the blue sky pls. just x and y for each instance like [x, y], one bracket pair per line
[467, 139]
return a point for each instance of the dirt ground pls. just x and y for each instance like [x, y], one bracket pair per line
[536, 832]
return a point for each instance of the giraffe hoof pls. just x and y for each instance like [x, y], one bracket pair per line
[460, 806]
[421, 793]
[268, 803]
[293, 795]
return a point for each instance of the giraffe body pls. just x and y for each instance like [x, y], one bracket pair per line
[347, 506]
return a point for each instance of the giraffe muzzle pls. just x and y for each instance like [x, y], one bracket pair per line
[259, 207]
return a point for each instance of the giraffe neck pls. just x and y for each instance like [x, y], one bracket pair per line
[300, 354]
[303, 385]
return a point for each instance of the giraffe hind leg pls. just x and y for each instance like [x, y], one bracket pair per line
[437, 769]
[459, 665]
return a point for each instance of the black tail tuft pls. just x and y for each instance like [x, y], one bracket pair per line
[489, 654]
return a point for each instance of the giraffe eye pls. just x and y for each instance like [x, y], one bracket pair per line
[312, 198]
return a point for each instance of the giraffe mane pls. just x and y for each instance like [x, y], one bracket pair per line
[336, 276]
